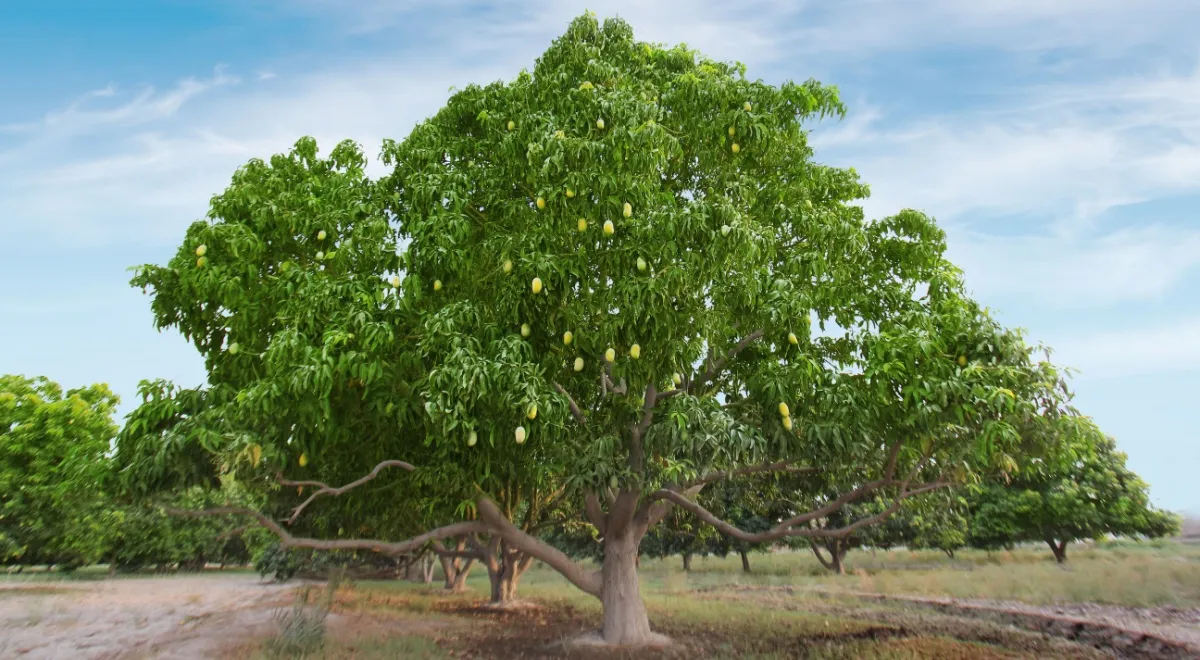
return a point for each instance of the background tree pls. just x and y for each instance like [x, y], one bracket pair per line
[938, 522]
[1083, 492]
[143, 535]
[606, 299]
[53, 471]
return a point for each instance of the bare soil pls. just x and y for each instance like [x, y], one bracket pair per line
[229, 615]
[176, 617]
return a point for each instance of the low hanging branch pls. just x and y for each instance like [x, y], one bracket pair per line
[286, 539]
[334, 492]
[785, 530]
[777, 466]
[588, 582]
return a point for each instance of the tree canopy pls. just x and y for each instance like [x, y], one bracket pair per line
[596, 289]
[53, 470]
[1083, 492]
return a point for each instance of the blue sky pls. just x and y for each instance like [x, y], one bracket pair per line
[1057, 142]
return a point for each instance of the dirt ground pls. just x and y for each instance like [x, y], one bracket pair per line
[210, 616]
[166, 617]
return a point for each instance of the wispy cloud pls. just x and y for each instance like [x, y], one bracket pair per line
[858, 29]
[1172, 347]
[863, 28]
[1025, 187]
[1129, 265]
[1067, 153]
[148, 105]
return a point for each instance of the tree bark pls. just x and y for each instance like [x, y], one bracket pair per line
[834, 563]
[1059, 549]
[455, 567]
[745, 561]
[458, 582]
[687, 561]
[505, 566]
[625, 620]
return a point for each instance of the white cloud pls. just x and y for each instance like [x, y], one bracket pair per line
[141, 170]
[857, 29]
[1124, 266]
[1023, 187]
[139, 167]
[1174, 347]
[1070, 152]
[864, 28]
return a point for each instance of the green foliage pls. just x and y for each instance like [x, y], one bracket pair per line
[761, 239]
[53, 471]
[276, 562]
[143, 535]
[1083, 492]
[345, 320]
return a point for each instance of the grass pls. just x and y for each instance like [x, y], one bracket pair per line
[712, 617]
[1119, 573]
[719, 622]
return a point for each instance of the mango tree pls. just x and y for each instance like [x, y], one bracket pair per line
[1084, 491]
[649, 228]
[621, 278]
[54, 471]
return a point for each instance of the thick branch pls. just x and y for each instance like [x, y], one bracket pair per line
[637, 453]
[658, 510]
[821, 558]
[595, 514]
[782, 530]
[458, 552]
[606, 374]
[778, 466]
[286, 540]
[334, 492]
[579, 417]
[575, 574]
[622, 512]
[835, 505]
[715, 368]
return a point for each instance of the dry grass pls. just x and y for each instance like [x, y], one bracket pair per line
[1120, 573]
[714, 624]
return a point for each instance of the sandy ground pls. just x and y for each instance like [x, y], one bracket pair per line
[209, 616]
[170, 617]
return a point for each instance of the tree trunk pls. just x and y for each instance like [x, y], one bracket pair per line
[625, 620]
[834, 563]
[687, 561]
[1059, 549]
[427, 570]
[458, 581]
[505, 566]
[504, 584]
[455, 569]
[745, 561]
